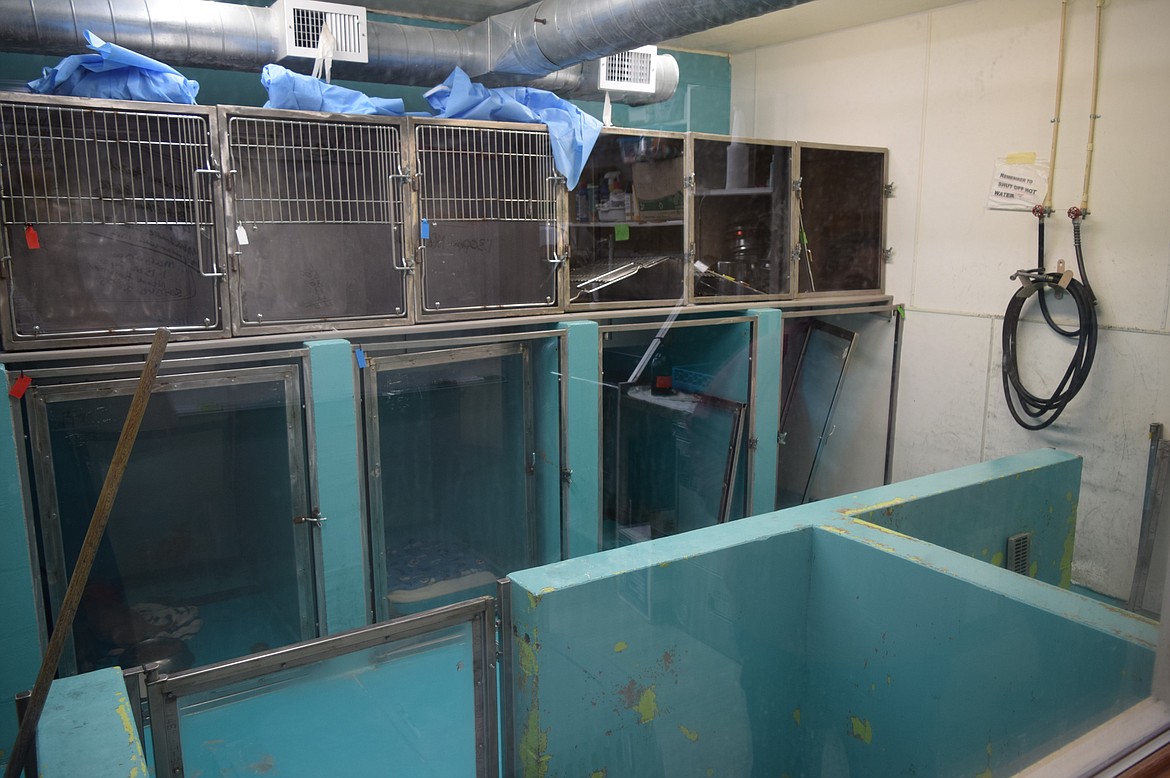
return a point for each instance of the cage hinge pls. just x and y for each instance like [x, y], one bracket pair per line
[888, 189]
[753, 443]
[782, 438]
[566, 475]
[689, 181]
[797, 183]
[888, 255]
[530, 466]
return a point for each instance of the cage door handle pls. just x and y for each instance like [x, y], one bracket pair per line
[315, 518]
[198, 225]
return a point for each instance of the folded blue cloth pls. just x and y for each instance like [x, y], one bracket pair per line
[116, 73]
[572, 131]
[287, 89]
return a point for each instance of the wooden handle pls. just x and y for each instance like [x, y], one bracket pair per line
[85, 559]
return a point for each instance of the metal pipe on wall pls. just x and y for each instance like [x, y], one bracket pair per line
[532, 45]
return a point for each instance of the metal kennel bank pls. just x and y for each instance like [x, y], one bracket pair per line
[382, 356]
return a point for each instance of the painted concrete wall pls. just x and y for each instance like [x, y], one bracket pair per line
[805, 643]
[948, 91]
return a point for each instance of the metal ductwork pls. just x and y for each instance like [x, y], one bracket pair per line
[552, 44]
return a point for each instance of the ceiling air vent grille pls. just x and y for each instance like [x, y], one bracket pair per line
[629, 71]
[1019, 553]
[302, 23]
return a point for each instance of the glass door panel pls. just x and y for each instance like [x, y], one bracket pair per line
[200, 559]
[455, 471]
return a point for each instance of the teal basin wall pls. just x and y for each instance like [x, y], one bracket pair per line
[974, 509]
[665, 666]
[921, 662]
[810, 643]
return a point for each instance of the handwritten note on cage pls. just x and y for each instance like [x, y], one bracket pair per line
[1019, 182]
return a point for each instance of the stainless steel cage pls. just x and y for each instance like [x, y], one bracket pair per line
[109, 220]
[488, 217]
[318, 213]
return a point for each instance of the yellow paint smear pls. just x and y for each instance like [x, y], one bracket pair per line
[689, 734]
[997, 560]
[880, 528]
[838, 530]
[528, 664]
[647, 706]
[875, 507]
[861, 729]
[127, 724]
[985, 774]
[796, 716]
[547, 589]
[620, 646]
[598, 774]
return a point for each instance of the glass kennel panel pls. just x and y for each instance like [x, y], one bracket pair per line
[741, 218]
[813, 383]
[411, 697]
[318, 219]
[627, 237]
[841, 206]
[675, 444]
[451, 439]
[487, 201]
[201, 560]
[109, 224]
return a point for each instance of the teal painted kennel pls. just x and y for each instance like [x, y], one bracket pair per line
[806, 642]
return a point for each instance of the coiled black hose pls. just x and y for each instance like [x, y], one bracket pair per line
[1042, 411]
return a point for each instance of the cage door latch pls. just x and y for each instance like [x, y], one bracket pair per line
[199, 226]
[313, 518]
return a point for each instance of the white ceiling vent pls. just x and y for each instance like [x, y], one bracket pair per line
[301, 25]
[629, 71]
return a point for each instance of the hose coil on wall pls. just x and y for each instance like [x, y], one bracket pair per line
[1042, 411]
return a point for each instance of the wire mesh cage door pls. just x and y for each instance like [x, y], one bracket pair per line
[488, 229]
[318, 220]
[109, 222]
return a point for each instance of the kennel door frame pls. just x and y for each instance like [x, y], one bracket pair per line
[466, 201]
[374, 465]
[106, 210]
[310, 211]
[43, 481]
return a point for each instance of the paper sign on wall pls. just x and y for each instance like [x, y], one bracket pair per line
[1019, 182]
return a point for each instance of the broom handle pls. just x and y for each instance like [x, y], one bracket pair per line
[85, 559]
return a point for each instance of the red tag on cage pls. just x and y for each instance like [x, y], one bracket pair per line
[31, 238]
[19, 387]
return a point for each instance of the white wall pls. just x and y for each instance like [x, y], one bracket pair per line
[948, 91]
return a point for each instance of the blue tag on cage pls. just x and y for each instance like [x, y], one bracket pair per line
[424, 230]
[360, 356]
